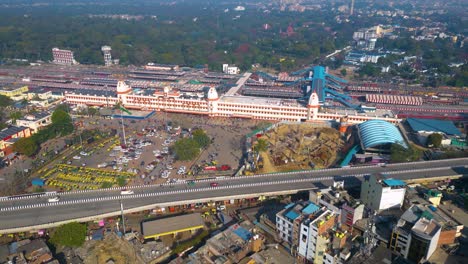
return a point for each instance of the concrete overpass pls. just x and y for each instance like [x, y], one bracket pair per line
[20, 214]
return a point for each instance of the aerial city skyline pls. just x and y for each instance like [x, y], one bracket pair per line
[289, 131]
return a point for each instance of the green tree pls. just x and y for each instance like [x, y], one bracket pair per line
[60, 117]
[106, 185]
[121, 181]
[181, 247]
[26, 146]
[38, 189]
[368, 70]
[15, 115]
[261, 146]
[343, 72]
[61, 122]
[201, 138]
[69, 235]
[186, 149]
[434, 140]
[5, 101]
[399, 153]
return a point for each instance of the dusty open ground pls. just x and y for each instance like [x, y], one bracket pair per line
[298, 147]
[112, 248]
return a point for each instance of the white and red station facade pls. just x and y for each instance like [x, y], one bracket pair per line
[213, 105]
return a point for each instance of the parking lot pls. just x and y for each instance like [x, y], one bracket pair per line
[144, 157]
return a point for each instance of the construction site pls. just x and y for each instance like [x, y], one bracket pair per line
[300, 147]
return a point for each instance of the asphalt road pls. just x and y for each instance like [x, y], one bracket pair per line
[34, 211]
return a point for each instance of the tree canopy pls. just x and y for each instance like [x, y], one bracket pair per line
[60, 117]
[262, 145]
[168, 34]
[186, 149]
[16, 115]
[26, 146]
[434, 140]
[69, 235]
[61, 122]
[5, 101]
[201, 138]
[401, 154]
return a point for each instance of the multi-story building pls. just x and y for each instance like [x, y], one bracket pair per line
[380, 193]
[291, 216]
[35, 122]
[42, 94]
[338, 200]
[106, 51]
[9, 136]
[171, 100]
[230, 69]
[15, 93]
[416, 234]
[230, 246]
[422, 228]
[63, 57]
[161, 67]
[314, 237]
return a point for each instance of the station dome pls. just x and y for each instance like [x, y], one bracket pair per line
[313, 99]
[212, 94]
[123, 88]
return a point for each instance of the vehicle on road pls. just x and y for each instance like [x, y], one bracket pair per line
[54, 199]
[76, 157]
[126, 192]
[191, 183]
[214, 184]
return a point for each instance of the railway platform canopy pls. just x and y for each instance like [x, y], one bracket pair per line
[421, 125]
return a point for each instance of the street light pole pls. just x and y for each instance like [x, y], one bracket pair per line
[123, 128]
[122, 215]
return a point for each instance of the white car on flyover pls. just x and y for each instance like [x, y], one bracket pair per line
[126, 192]
[54, 199]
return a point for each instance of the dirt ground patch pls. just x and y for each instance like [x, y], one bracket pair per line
[300, 147]
[111, 248]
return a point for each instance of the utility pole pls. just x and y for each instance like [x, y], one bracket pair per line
[123, 128]
[122, 215]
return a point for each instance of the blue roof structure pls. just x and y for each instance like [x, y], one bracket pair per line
[310, 209]
[378, 132]
[292, 215]
[433, 125]
[242, 232]
[323, 83]
[394, 182]
[289, 205]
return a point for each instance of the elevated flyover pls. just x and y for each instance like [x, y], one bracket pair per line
[20, 214]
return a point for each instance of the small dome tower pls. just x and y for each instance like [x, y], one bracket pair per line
[313, 106]
[313, 100]
[123, 88]
[212, 94]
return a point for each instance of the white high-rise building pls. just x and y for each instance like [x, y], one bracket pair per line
[63, 57]
[229, 69]
[106, 51]
[380, 193]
